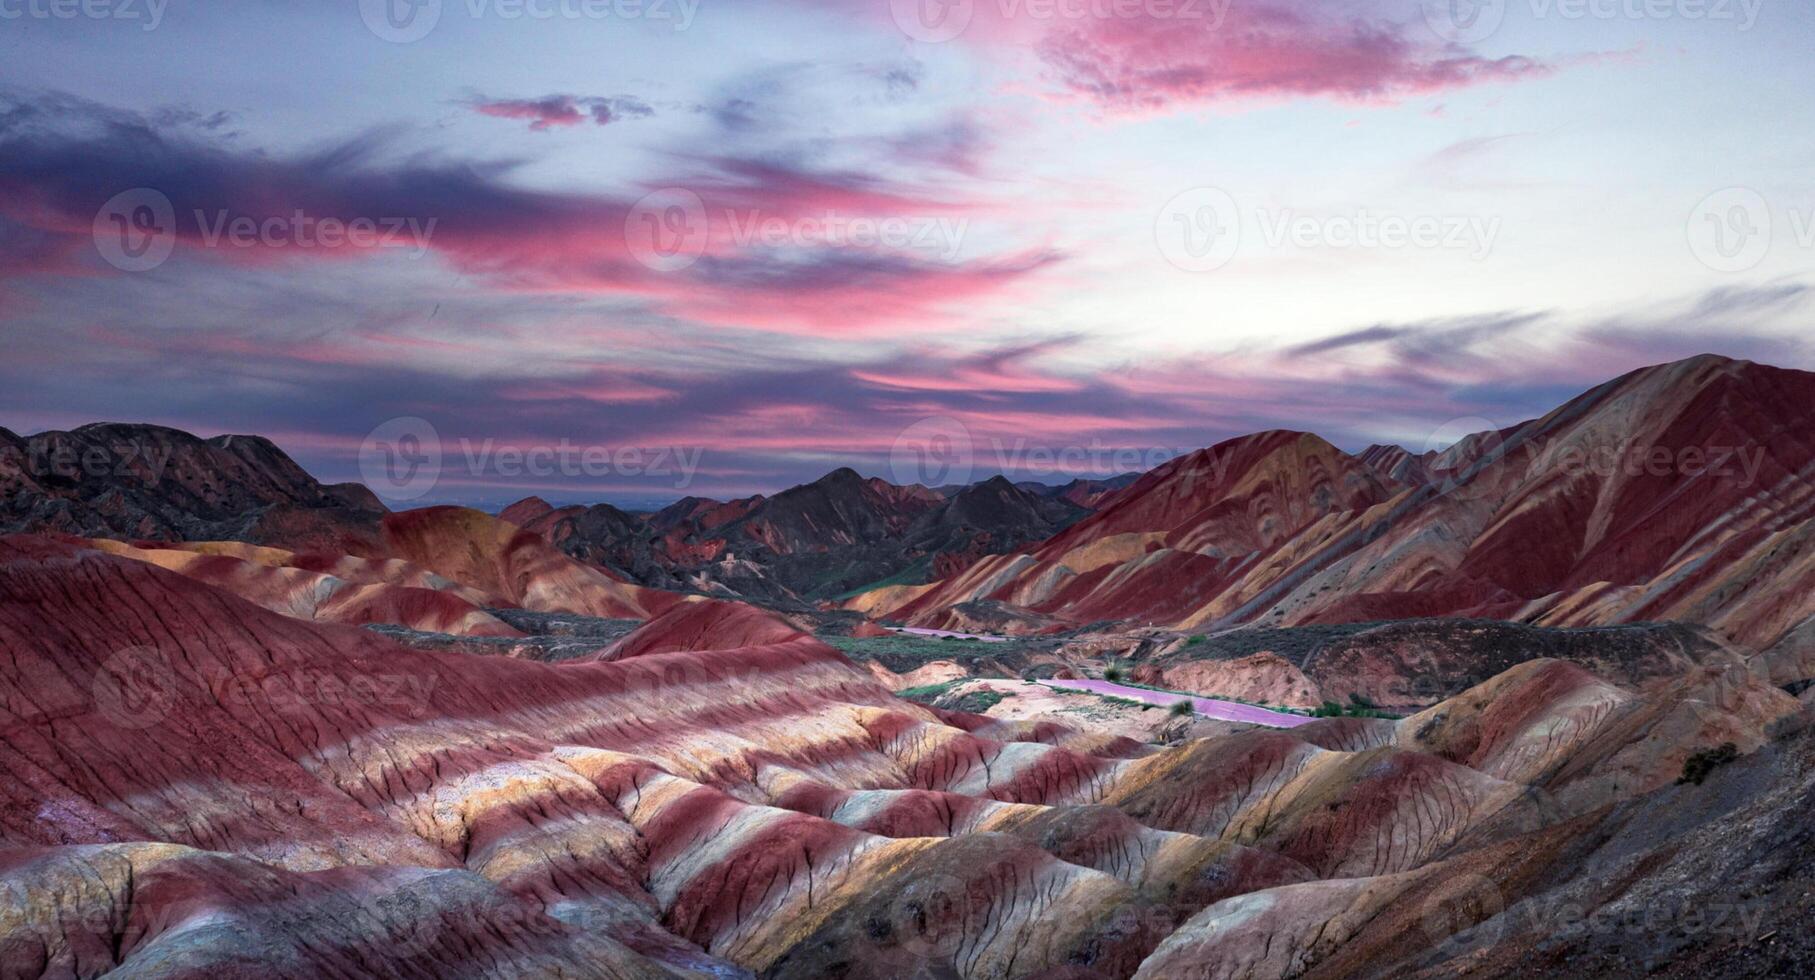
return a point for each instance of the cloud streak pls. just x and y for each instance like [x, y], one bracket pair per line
[552, 111]
[1264, 50]
[773, 243]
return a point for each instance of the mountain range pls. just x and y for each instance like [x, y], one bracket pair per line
[1679, 492]
[1540, 701]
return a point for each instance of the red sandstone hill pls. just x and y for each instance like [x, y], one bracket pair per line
[1678, 492]
[517, 567]
[191, 785]
[704, 624]
[235, 511]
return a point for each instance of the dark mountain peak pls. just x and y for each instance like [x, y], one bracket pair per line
[843, 476]
[133, 480]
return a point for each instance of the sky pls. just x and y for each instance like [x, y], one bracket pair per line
[631, 250]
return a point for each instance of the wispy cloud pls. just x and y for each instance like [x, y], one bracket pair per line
[550, 111]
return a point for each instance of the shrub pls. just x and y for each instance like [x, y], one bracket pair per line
[1113, 674]
[1180, 709]
[1697, 767]
[1195, 640]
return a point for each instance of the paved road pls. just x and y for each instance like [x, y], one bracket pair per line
[1208, 707]
[920, 631]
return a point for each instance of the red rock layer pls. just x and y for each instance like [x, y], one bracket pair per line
[192, 783]
[1680, 492]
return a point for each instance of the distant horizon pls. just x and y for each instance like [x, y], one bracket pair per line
[494, 497]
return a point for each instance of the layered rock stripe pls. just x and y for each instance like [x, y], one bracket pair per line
[196, 784]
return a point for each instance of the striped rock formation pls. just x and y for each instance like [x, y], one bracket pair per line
[1679, 492]
[193, 784]
[329, 589]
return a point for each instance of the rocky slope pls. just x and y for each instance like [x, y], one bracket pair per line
[194, 784]
[1410, 664]
[150, 482]
[813, 541]
[1679, 492]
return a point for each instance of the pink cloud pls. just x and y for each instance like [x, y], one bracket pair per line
[563, 110]
[1138, 64]
[1140, 58]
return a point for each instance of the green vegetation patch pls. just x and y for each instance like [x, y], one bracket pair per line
[1358, 707]
[902, 652]
[926, 693]
[942, 696]
[975, 702]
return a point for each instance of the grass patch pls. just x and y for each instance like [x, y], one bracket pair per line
[975, 702]
[1358, 707]
[942, 696]
[902, 652]
[926, 693]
